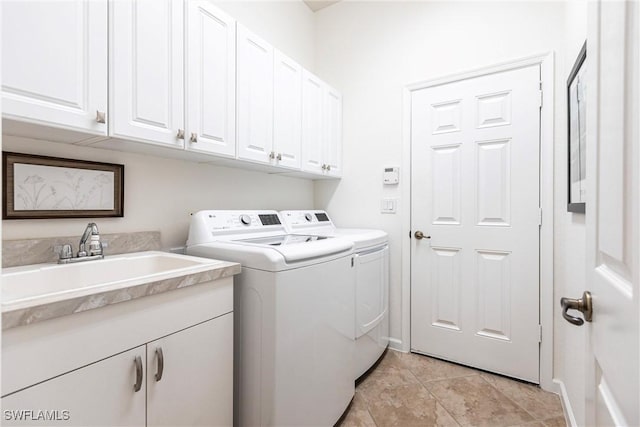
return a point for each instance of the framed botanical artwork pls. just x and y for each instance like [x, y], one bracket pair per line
[36, 187]
[577, 134]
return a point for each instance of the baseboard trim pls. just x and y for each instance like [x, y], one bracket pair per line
[566, 404]
[396, 344]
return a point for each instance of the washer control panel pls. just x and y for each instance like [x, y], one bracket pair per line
[305, 219]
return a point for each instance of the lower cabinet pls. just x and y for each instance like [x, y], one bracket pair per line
[182, 379]
[190, 376]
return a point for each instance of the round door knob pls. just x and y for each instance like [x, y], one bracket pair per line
[245, 219]
[420, 235]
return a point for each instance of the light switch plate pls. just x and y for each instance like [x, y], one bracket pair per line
[388, 206]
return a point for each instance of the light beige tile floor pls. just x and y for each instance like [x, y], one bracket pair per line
[414, 390]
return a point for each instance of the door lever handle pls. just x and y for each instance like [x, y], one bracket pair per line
[584, 305]
[420, 235]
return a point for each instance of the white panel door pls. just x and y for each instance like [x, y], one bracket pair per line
[287, 111]
[333, 132]
[475, 192]
[100, 394]
[54, 62]
[255, 96]
[146, 70]
[312, 123]
[195, 387]
[613, 214]
[211, 80]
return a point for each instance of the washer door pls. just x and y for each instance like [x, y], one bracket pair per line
[372, 283]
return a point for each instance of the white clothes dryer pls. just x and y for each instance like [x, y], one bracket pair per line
[371, 281]
[293, 311]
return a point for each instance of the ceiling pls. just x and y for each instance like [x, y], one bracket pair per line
[316, 5]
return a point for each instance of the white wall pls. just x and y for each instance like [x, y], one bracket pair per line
[570, 237]
[160, 193]
[370, 50]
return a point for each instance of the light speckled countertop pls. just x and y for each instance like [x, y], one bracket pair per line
[21, 306]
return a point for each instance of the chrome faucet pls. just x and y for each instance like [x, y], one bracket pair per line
[95, 246]
[86, 251]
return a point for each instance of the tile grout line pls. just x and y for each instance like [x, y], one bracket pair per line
[510, 400]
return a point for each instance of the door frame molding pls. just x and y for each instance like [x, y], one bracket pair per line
[546, 62]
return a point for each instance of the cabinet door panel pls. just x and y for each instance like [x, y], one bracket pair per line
[312, 123]
[196, 387]
[255, 97]
[54, 62]
[287, 111]
[211, 79]
[100, 394]
[333, 129]
[146, 70]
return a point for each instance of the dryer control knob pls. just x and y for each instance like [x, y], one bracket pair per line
[308, 217]
[245, 219]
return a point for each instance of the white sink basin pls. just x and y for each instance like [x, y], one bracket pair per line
[44, 283]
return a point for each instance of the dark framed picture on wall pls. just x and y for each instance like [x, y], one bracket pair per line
[577, 134]
[38, 187]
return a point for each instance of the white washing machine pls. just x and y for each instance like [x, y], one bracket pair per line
[371, 281]
[293, 310]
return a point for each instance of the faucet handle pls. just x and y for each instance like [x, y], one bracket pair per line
[63, 251]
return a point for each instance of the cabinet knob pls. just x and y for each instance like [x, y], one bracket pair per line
[138, 385]
[194, 137]
[324, 167]
[272, 155]
[279, 156]
[328, 168]
[101, 116]
[180, 134]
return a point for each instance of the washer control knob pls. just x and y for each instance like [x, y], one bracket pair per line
[245, 219]
[308, 217]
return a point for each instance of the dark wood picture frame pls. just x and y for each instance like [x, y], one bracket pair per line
[37, 189]
[576, 153]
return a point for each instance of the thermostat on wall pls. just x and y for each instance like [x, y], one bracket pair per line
[391, 175]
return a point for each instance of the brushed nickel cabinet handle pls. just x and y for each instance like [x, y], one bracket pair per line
[328, 168]
[160, 357]
[180, 134]
[279, 156]
[138, 385]
[194, 137]
[101, 116]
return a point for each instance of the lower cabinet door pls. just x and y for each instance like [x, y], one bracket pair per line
[100, 394]
[190, 380]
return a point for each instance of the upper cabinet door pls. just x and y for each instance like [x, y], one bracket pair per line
[54, 63]
[333, 128]
[312, 123]
[287, 111]
[255, 96]
[146, 70]
[211, 80]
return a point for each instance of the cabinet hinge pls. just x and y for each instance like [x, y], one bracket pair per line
[539, 333]
[540, 216]
[540, 99]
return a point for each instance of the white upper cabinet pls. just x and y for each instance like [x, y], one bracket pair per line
[54, 63]
[211, 80]
[146, 71]
[312, 123]
[333, 129]
[287, 111]
[255, 96]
